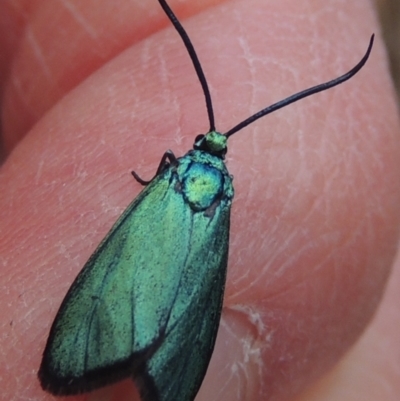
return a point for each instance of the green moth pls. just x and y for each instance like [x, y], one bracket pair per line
[147, 304]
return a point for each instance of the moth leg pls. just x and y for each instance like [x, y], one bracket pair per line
[167, 159]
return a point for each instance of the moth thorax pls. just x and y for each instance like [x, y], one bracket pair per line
[202, 185]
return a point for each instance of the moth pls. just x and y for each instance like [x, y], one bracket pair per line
[147, 303]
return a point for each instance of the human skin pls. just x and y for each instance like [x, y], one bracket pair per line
[315, 217]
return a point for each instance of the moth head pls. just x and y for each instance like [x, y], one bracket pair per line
[213, 142]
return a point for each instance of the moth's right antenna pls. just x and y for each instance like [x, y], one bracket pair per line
[301, 95]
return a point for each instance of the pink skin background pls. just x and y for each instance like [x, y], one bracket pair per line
[94, 89]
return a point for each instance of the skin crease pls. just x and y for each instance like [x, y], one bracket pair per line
[314, 220]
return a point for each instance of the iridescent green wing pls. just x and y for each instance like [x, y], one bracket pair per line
[176, 371]
[115, 311]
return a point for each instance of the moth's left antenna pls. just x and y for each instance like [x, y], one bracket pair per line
[195, 60]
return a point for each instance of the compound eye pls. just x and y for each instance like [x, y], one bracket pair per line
[198, 142]
[198, 138]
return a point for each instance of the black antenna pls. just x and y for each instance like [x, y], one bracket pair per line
[195, 60]
[303, 94]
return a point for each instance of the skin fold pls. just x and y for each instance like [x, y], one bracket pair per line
[92, 91]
